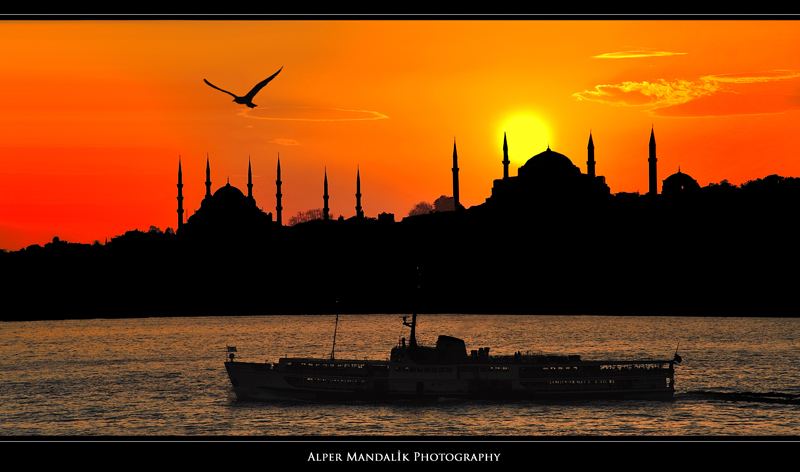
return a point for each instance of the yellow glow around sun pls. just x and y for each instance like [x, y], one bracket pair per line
[526, 137]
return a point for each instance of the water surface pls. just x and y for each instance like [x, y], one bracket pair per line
[165, 377]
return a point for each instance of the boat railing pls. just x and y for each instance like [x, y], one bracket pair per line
[337, 367]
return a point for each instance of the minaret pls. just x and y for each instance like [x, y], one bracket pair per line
[359, 213]
[208, 178]
[590, 162]
[505, 156]
[180, 195]
[455, 176]
[325, 197]
[652, 160]
[278, 208]
[249, 179]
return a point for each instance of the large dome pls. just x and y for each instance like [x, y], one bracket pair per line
[229, 195]
[549, 163]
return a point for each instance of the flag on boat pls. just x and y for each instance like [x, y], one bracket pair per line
[230, 349]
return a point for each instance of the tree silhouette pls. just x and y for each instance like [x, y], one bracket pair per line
[421, 208]
[444, 203]
[308, 215]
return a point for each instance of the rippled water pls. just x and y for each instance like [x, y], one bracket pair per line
[165, 377]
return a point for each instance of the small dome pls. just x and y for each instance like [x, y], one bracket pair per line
[678, 182]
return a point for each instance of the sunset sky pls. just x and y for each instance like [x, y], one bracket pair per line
[96, 114]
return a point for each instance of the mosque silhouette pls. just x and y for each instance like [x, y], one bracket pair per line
[550, 240]
[546, 178]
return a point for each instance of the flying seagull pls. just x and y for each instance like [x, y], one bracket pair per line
[247, 99]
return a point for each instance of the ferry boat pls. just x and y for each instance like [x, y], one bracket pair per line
[446, 370]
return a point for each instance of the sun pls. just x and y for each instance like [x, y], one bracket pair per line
[526, 137]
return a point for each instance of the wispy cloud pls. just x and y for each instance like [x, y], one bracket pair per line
[731, 104]
[750, 78]
[284, 142]
[659, 93]
[637, 53]
[709, 96]
[311, 114]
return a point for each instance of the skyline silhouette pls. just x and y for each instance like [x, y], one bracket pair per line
[584, 251]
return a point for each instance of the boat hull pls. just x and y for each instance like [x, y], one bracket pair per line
[259, 382]
[264, 382]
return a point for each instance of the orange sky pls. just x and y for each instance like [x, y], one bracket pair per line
[96, 114]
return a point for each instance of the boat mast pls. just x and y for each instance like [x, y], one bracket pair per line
[334, 336]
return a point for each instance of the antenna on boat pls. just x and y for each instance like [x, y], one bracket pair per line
[412, 339]
[335, 327]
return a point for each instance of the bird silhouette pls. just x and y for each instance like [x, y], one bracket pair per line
[247, 99]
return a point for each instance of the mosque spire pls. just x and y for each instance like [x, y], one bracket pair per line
[359, 213]
[249, 179]
[325, 209]
[180, 194]
[278, 207]
[653, 190]
[208, 178]
[590, 162]
[455, 176]
[505, 156]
